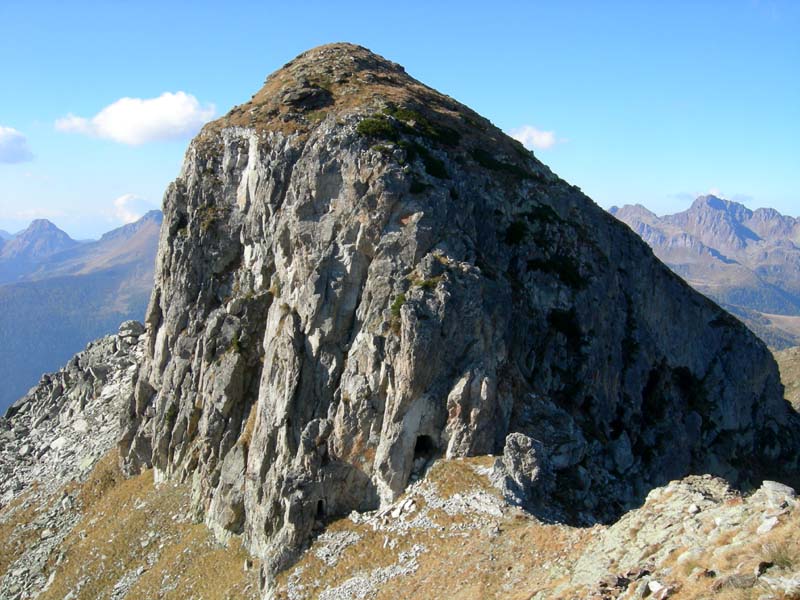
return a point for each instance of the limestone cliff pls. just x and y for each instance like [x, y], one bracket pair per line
[357, 274]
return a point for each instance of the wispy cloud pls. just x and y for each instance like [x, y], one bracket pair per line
[13, 146]
[130, 207]
[534, 138]
[136, 121]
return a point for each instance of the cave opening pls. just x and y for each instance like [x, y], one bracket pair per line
[424, 451]
[424, 448]
[320, 510]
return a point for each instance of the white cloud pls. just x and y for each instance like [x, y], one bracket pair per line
[714, 191]
[130, 208]
[136, 121]
[13, 146]
[532, 137]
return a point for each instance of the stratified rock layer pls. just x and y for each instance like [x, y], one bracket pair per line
[357, 274]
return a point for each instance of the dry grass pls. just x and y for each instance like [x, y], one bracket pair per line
[457, 476]
[128, 524]
[197, 567]
[781, 547]
[370, 87]
[16, 529]
[509, 557]
[367, 554]
[511, 565]
[789, 365]
[514, 556]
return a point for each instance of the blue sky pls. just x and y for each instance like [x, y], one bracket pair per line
[650, 102]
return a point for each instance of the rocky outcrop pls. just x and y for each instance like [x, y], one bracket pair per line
[358, 274]
[63, 425]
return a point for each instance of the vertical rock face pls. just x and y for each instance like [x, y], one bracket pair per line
[357, 274]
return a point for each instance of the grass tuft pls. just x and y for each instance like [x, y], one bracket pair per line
[395, 308]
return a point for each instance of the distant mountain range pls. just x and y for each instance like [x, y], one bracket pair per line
[57, 294]
[746, 260]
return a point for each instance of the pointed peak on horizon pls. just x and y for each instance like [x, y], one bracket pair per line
[41, 225]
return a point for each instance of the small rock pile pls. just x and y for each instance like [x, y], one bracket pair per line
[697, 533]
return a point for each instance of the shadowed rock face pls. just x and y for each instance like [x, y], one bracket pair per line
[357, 274]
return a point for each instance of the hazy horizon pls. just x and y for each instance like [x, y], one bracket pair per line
[74, 237]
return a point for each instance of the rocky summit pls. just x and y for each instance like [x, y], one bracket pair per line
[357, 275]
[363, 289]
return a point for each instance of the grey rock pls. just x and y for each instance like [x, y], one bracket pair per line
[333, 310]
[621, 453]
[789, 586]
[130, 329]
[767, 526]
[775, 489]
[776, 493]
[523, 474]
[66, 423]
[59, 443]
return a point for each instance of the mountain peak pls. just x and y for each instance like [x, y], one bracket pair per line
[342, 57]
[716, 203]
[745, 260]
[335, 82]
[333, 77]
[40, 226]
[152, 215]
[633, 209]
[41, 238]
[358, 274]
